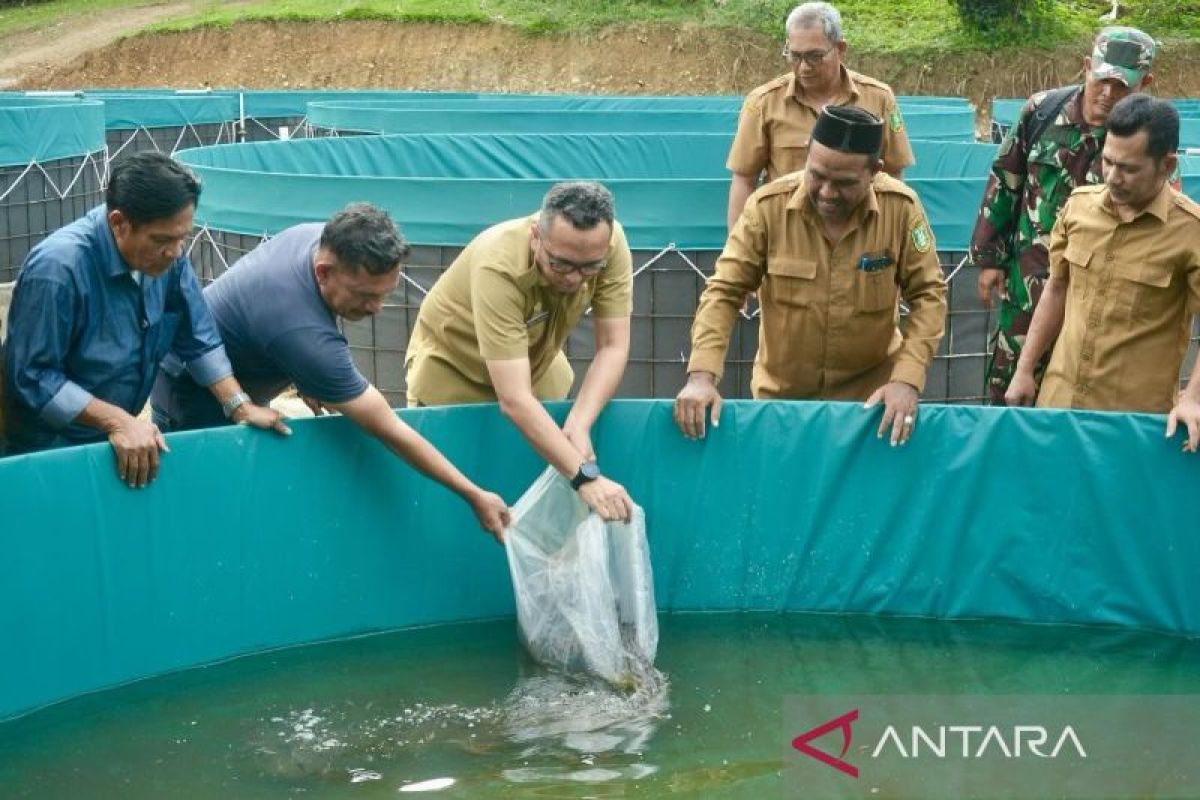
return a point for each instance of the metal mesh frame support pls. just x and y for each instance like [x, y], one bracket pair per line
[123, 143]
[270, 129]
[38, 199]
[667, 287]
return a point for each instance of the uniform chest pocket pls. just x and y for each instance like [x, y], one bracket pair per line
[791, 154]
[1077, 256]
[790, 281]
[876, 290]
[1146, 286]
[536, 324]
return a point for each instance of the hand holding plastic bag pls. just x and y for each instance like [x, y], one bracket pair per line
[584, 588]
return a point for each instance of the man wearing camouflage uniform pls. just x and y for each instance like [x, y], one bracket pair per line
[1054, 147]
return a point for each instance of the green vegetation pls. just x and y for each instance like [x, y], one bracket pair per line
[896, 26]
[42, 14]
[38, 15]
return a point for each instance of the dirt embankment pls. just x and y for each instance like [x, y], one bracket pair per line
[473, 58]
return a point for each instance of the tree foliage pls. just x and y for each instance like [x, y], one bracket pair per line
[982, 14]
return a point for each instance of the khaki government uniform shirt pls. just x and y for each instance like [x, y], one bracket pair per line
[777, 121]
[1134, 287]
[493, 304]
[829, 313]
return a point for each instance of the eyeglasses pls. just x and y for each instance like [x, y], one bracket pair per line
[814, 58]
[564, 266]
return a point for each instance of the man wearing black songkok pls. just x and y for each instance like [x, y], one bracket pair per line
[831, 251]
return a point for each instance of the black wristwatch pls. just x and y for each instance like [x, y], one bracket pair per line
[588, 472]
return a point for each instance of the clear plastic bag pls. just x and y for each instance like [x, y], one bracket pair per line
[584, 589]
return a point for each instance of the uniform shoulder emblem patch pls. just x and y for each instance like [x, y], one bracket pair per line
[922, 238]
[895, 121]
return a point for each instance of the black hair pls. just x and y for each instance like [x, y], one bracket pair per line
[1141, 112]
[585, 204]
[362, 236]
[150, 186]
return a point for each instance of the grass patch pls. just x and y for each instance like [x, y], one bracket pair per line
[458, 12]
[14, 19]
[895, 26]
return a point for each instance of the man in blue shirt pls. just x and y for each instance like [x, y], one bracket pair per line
[276, 310]
[96, 306]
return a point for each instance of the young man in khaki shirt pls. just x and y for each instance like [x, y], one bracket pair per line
[830, 251]
[493, 327]
[778, 117]
[1124, 282]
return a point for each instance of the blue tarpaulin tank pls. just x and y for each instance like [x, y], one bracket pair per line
[250, 541]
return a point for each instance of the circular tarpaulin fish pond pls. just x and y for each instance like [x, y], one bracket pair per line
[52, 170]
[671, 192]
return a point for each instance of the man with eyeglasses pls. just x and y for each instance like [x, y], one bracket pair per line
[831, 251]
[492, 329]
[777, 118]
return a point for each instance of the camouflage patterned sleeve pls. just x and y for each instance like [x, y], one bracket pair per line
[996, 225]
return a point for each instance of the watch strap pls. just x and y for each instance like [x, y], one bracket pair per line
[233, 403]
[588, 472]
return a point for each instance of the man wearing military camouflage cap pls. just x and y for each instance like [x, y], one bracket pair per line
[1054, 147]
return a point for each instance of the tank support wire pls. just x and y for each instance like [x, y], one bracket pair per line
[88, 159]
[227, 132]
[958, 269]
[330, 133]
[301, 128]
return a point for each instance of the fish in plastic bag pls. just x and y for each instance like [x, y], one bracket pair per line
[584, 589]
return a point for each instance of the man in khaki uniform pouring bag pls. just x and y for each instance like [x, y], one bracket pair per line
[493, 327]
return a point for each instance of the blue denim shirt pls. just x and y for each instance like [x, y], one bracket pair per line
[80, 326]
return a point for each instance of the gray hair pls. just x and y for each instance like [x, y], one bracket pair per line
[585, 204]
[810, 15]
[364, 237]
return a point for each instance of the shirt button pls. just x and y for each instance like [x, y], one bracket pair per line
[1108, 257]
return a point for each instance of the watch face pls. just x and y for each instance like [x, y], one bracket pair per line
[590, 470]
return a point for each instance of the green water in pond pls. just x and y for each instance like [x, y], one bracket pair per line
[457, 711]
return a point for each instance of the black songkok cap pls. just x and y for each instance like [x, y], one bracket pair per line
[849, 129]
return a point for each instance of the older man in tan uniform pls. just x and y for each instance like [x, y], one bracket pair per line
[493, 328]
[1124, 282]
[778, 117]
[830, 251]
